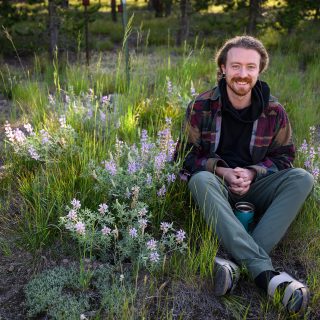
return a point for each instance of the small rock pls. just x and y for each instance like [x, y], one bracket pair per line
[65, 261]
[11, 268]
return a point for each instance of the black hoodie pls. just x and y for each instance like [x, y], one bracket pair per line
[236, 127]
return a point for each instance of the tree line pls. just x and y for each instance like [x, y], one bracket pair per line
[289, 15]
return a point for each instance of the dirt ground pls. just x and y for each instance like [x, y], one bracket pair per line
[189, 301]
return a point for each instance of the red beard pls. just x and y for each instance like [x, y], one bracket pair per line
[238, 90]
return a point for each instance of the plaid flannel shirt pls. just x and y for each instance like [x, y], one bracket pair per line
[271, 146]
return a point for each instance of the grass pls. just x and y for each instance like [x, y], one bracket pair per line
[46, 188]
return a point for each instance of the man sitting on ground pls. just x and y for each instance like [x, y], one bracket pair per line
[238, 146]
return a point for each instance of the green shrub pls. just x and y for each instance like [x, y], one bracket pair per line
[56, 293]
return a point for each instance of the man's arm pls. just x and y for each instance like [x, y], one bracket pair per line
[281, 151]
[190, 147]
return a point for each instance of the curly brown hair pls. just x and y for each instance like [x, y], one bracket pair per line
[246, 42]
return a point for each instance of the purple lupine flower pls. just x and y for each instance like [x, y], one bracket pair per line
[171, 178]
[80, 228]
[76, 204]
[307, 164]
[144, 136]
[29, 128]
[165, 226]
[145, 149]
[192, 90]
[152, 245]
[90, 113]
[142, 212]
[133, 232]
[315, 172]
[102, 116]
[128, 194]
[33, 153]
[171, 149]
[133, 167]
[169, 86]
[106, 231]
[143, 223]
[180, 236]
[110, 166]
[105, 100]
[168, 121]
[312, 153]
[134, 149]
[44, 136]
[149, 180]
[8, 131]
[103, 208]
[19, 136]
[154, 256]
[63, 121]
[304, 146]
[162, 191]
[159, 161]
[72, 214]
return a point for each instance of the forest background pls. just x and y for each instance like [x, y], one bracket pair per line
[94, 221]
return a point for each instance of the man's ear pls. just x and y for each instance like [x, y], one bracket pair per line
[223, 68]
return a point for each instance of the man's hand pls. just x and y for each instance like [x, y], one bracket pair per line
[238, 179]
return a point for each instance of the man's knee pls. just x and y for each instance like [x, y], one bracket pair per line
[302, 178]
[201, 178]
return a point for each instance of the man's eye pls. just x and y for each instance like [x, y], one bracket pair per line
[252, 67]
[235, 67]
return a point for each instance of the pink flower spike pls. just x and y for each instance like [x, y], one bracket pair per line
[76, 204]
[154, 256]
[152, 245]
[80, 228]
[133, 232]
[103, 208]
[72, 215]
[180, 236]
[106, 231]
[165, 226]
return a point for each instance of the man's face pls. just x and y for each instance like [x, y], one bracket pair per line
[241, 70]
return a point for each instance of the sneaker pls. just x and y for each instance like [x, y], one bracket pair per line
[226, 276]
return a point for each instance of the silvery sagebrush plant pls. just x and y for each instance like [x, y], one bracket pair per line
[147, 165]
[124, 231]
[310, 154]
[42, 145]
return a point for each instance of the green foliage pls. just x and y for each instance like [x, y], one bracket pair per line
[296, 11]
[56, 292]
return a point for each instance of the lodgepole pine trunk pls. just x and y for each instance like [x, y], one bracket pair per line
[183, 31]
[53, 26]
[113, 10]
[254, 13]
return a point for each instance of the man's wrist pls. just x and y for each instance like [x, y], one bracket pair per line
[221, 171]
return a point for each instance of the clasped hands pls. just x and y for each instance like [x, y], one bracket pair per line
[238, 179]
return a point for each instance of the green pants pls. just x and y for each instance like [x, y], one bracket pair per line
[277, 199]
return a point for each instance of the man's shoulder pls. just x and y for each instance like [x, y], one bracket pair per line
[212, 94]
[274, 107]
